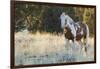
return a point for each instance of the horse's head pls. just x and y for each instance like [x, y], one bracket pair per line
[62, 18]
[66, 20]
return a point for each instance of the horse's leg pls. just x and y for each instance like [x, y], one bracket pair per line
[74, 41]
[85, 45]
[87, 38]
[74, 44]
[66, 43]
[73, 47]
[81, 46]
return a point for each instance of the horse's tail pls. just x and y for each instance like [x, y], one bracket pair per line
[87, 35]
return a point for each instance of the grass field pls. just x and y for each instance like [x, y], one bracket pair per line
[48, 48]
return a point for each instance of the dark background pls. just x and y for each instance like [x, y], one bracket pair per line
[46, 18]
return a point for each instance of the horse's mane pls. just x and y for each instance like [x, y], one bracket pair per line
[68, 17]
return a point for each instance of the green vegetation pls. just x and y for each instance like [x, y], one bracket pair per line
[46, 18]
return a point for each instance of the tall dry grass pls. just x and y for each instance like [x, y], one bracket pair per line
[47, 48]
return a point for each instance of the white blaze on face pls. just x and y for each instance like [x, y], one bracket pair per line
[62, 17]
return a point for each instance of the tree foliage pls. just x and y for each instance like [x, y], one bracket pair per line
[46, 18]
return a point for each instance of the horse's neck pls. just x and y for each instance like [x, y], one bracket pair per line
[69, 19]
[70, 22]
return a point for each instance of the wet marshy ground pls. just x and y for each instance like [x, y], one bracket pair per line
[48, 49]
